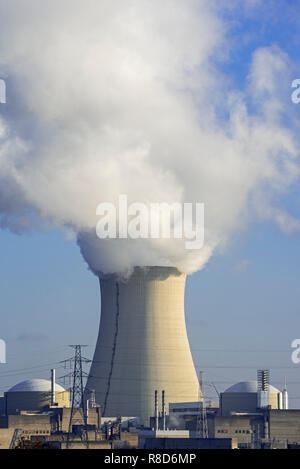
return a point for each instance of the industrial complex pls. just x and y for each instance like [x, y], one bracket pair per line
[36, 413]
[149, 228]
[142, 390]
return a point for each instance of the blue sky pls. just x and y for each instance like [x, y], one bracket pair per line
[243, 309]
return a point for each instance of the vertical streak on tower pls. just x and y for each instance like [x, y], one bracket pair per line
[142, 344]
[113, 350]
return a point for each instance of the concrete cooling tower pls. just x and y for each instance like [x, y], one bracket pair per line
[142, 344]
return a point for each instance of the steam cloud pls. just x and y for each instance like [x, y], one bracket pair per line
[109, 97]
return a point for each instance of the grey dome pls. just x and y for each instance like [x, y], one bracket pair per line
[248, 386]
[35, 385]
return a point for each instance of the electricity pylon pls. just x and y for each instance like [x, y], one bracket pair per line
[202, 429]
[78, 415]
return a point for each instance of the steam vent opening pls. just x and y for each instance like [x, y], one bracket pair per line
[142, 344]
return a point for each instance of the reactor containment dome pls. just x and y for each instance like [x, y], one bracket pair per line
[244, 397]
[34, 395]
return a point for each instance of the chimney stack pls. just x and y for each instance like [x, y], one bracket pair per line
[53, 387]
[163, 410]
[155, 411]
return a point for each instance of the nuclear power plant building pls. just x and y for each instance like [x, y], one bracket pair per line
[142, 344]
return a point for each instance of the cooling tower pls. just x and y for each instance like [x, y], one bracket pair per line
[142, 344]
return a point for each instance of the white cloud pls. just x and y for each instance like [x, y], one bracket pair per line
[113, 97]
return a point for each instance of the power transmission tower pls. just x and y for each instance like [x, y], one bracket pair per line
[202, 429]
[78, 415]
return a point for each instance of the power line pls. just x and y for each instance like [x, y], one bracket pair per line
[34, 352]
[26, 370]
[194, 349]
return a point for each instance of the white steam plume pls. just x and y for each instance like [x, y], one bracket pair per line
[109, 97]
